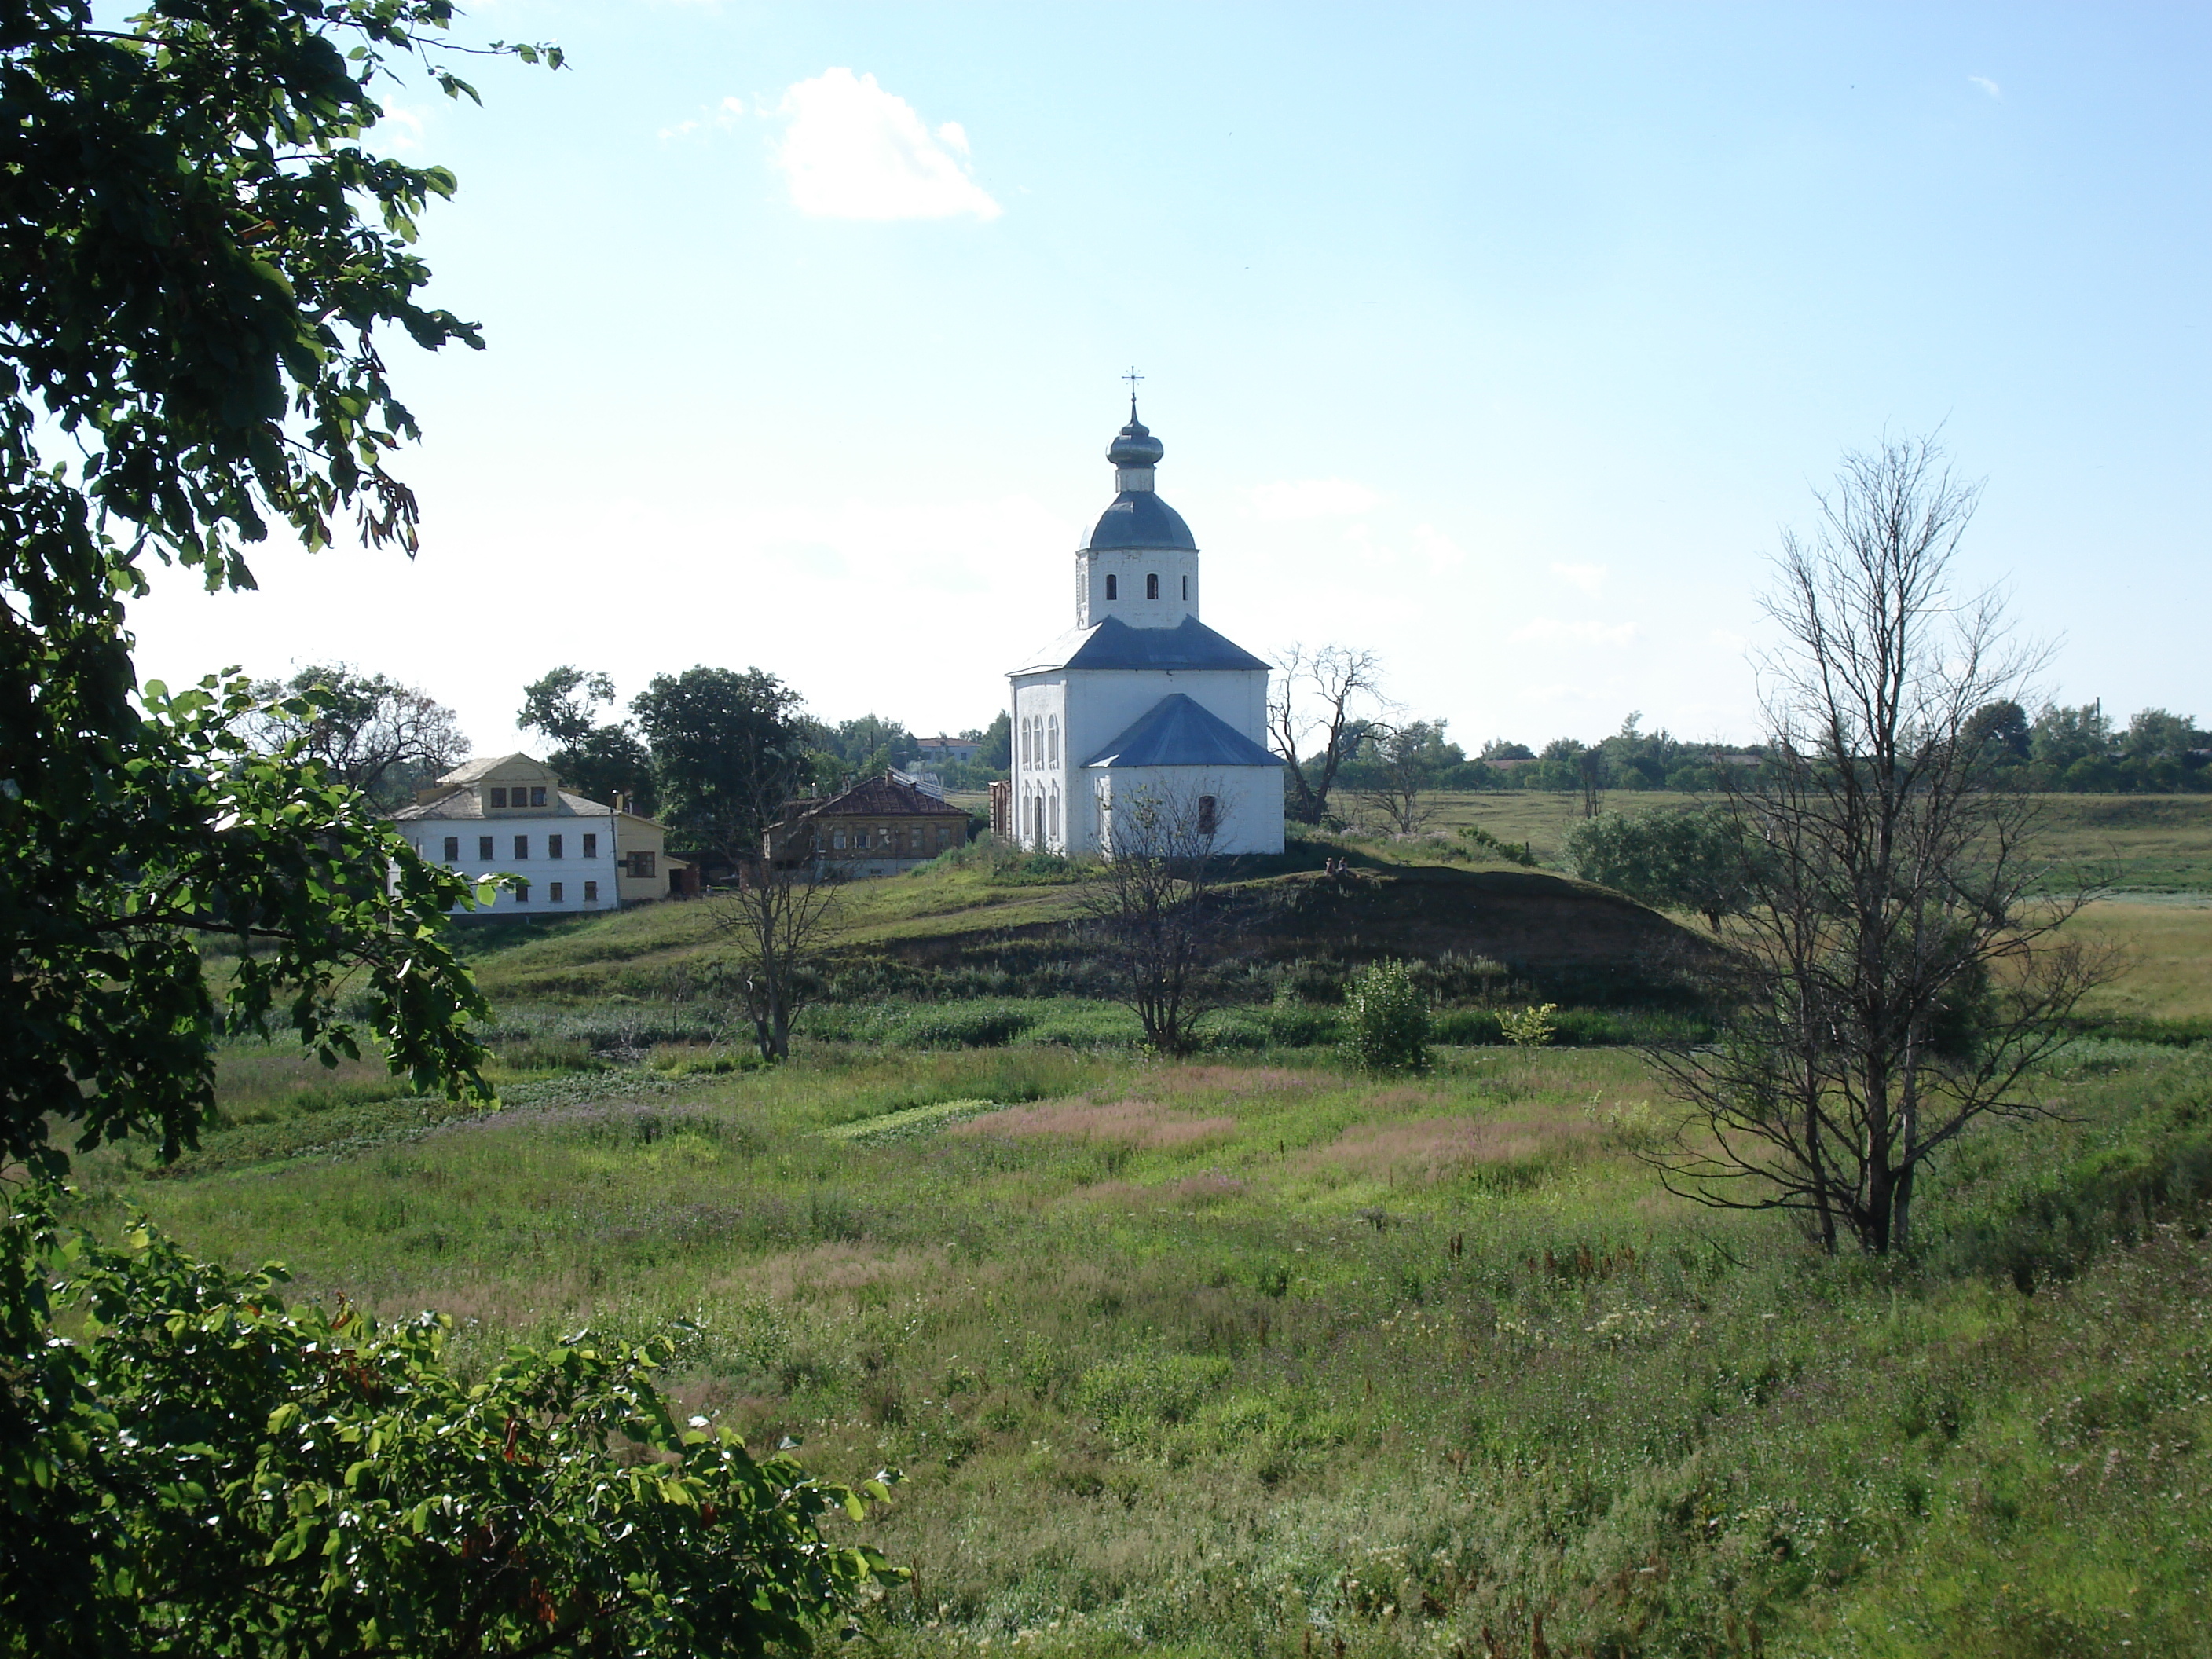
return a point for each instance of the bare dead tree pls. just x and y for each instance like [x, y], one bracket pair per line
[778, 912]
[1401, 770]
[1317, 695]
[1590, 767]
[775, 921]
[1153, 911]
[1895, 973]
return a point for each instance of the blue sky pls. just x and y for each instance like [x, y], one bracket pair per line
[1499, 341]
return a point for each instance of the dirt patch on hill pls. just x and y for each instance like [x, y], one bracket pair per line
[1142, 1123]
[1559, 939]
[1524, 919]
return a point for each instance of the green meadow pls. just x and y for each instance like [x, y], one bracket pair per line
[1254, 1354]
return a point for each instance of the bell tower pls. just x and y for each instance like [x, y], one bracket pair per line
[1139, 565]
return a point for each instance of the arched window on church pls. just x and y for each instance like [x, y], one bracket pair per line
[1153, 587]
[1056, 814]
[1209, 815]
[1026, 743]
[1113, 588]
[1051, 741]
[1186, 589]
[1036, 821]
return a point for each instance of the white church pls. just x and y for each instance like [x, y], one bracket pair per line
[1140, 702]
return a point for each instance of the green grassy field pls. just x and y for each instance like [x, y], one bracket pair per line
[1254, 1355]
[1211, 1356]
[2153, 843]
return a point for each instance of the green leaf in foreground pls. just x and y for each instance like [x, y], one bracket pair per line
[187, 1465]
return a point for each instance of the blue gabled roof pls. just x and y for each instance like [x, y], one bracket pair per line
[1176, 731]
[1138, 518]
[1112, 643]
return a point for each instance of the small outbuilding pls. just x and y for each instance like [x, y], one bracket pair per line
[881, 827]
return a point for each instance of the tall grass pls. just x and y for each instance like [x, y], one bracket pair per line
[1250, 1355]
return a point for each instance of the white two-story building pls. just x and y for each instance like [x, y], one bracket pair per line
[509, 816]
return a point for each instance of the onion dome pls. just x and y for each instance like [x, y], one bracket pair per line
[1134, 445]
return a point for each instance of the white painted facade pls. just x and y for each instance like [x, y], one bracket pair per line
[1248, 801]
[509, 816]
[1138, 643]
[564, 864]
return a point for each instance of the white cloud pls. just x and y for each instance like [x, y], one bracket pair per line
[1987, 86]
[1588, 577]
[403, 128]
[1312, 498]
[1439, 550]
[724, 116]
[854, 151]
[1552, 630]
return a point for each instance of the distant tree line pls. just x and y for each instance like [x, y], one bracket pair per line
[2075, 750]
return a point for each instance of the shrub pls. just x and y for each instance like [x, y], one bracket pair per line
[970, 1025]
[1467, 1028]
[1479, 840]
[299, 1481]
[1385, 1019]
[1531, 1028]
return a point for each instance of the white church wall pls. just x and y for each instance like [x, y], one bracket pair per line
[1248, 799]
[1041, 765]
[1094, 707]
[1176, 569]
[1108, 702]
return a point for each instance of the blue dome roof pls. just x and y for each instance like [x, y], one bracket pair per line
[1139, 517]
[1134, 445]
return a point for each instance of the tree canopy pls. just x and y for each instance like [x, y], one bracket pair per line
[727, 750]
[200, 266]
[200, 262]
[366, 731]
[598, 760]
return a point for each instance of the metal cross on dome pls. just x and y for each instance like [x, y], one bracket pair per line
[1132, 377]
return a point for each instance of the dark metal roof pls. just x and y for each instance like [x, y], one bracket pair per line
[1139, 517]
[1190, 645]
[877, 798]
[1176, 731]
[465, 803]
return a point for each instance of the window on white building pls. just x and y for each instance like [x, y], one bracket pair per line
[483, 846]
[522, 846]
[553, 893]
[453, 849]
[590, 892]
[552, 847]
[522, 892]
[1209, 815]
[1153, 587]
[1055, 815]
[1113, 588]
[537, 798]
[591, 846]
[1053, 740]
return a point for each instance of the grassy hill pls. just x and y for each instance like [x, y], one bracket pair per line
[1013, 923]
